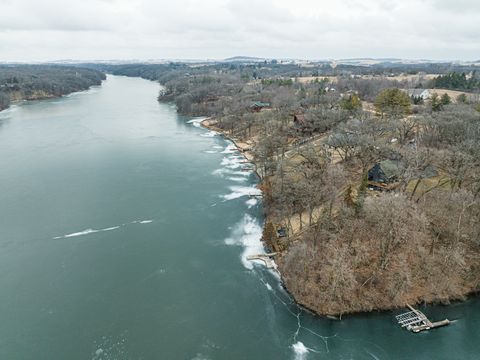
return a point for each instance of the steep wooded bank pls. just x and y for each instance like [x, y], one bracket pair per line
[33, 82]
[372, 195]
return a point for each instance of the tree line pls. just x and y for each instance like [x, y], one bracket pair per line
[458, 81]
[26, 82]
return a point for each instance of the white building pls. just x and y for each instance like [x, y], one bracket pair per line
[419, 93]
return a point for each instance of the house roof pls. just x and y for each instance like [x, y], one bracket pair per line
[259, 104]
[416, 92]
[386, 171]
[299, 118]
[391, 168]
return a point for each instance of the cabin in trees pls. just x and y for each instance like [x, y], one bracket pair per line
[386, 174]
[301, 124]
[299, 121]
[258, 106]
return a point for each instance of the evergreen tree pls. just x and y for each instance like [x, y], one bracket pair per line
[445, 99]
[393, 102]
[462, 99]
[351, 103]
[436, 102]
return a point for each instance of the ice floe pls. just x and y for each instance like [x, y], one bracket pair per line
[247, 233]
[93, 231]
[239, 191]
[300, 350]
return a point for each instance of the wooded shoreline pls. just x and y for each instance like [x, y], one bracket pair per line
[246, 151]
[370, 186]
[39, 82]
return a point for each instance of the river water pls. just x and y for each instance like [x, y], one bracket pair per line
[123, 235]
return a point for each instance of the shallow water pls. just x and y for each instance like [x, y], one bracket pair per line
[124, 231]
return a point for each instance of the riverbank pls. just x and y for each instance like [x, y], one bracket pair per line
[18, 99]
[245, 147]
[306, 291]
[40, 82]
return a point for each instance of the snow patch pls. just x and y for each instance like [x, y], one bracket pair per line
[234, 162]
[237, 179]
[239, 191]
[197, 122]
[300, 350]
[86, 232]
[142, 221]
[251, 203]
[247, 233]
[93, 231]
[230, 149]
[210, 133]
[226, 171]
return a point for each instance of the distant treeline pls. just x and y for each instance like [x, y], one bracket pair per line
[458, 81]
[30, 82]
[271, 69]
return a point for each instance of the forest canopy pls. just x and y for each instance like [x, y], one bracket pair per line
[29, 82]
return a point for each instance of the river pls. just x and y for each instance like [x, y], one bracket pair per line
[124, 229]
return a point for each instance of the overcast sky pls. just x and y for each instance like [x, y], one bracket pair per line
[308, 29]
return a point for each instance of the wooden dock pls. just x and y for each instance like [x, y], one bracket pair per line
[416, 321]
[266, 258]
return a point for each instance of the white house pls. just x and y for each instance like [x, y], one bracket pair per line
[419, 93]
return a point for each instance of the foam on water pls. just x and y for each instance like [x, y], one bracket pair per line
[247, 233]
[300, 350]
[239, 191]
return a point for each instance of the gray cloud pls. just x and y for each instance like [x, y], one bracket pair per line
[146, 29]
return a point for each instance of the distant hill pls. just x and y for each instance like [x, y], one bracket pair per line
[244, 59]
